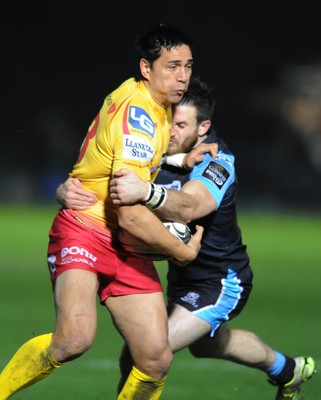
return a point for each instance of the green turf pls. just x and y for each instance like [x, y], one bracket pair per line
[284, 309]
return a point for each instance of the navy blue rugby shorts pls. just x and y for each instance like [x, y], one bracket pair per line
[215, 301]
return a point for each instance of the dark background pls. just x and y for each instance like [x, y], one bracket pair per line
[262, 58]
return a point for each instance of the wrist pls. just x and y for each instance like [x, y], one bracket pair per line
[156, 197]
[149, 192]
[176, 160]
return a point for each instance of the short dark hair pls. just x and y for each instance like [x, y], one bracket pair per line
[150, 44]
[199, 95]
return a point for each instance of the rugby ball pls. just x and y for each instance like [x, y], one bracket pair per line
[179, 230]
[133, 245]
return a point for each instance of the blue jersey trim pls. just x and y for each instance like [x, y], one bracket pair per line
[216, 314]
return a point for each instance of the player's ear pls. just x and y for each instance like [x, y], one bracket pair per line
[204, 127]
[144, 66]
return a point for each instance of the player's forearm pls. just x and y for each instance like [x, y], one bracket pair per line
[145, 226]
[179, 206]
[127, 188]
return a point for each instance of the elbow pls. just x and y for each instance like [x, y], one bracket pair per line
[184, 218]
[131, 217]
[127, 219]
[187, 217]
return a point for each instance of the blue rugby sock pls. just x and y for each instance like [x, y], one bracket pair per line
[282, 369]
[278, 365]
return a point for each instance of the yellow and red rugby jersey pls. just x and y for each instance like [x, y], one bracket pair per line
[131, 131]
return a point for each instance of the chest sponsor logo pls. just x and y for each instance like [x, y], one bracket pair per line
[140, 120]
[216, 173]
[137, 148]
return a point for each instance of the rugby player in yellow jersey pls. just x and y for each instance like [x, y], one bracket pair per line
[130, 131]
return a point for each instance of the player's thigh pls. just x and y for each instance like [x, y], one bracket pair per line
[75, 301]
[184, 327]
[142, 321]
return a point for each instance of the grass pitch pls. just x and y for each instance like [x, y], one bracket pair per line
[284, 310]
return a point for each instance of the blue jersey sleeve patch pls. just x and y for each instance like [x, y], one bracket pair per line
[217, 175]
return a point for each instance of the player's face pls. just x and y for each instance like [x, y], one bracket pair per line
[184, 131]
[168, 78]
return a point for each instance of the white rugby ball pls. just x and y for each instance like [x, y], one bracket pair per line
[139, 248]
[179, 230]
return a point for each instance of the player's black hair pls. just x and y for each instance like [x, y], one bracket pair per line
[150, 44]
[199, 95]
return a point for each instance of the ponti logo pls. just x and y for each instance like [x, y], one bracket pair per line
[75, 250]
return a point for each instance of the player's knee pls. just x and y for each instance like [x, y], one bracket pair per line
[165, 361]
[156, 363]
[214, 347]
[196, 351]
[159, 367]
[72, 347]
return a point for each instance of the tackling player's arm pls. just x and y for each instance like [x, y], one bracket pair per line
[202, 194]
[196, 155]
[184, 206]
[192, 202]
[70, 194]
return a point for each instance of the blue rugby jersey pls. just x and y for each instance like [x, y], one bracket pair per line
[222, 248]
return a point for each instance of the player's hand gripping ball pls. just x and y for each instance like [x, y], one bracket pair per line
[129, 243]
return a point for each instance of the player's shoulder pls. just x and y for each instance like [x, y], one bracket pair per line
[218, 171]
[132, 89]
[225, 159]
[128, 87]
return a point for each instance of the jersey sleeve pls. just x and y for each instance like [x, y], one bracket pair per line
[216, 174]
